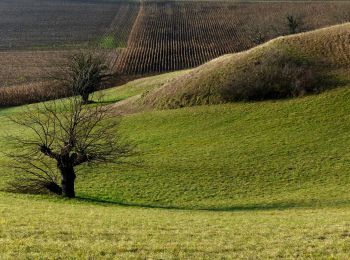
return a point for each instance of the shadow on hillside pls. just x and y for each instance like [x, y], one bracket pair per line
[252, 207]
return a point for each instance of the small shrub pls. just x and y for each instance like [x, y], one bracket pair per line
[85, 74]
[108, 42]
[274, 76]
[293, 24]
[258, 37]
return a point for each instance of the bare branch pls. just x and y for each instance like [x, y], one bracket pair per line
[67, 134]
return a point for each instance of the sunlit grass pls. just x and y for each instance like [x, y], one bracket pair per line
[291, 153]
[41, 228]
[246, 180]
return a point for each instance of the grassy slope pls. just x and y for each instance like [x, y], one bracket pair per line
[269, 154]
[235, 157]
[296, 151]
[136, 87]
[257, 155]
[327, 49]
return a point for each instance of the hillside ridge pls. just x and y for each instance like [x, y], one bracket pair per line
[326, 51]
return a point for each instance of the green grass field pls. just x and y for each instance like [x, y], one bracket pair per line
[274, 183]
[240, 180]
[41, 228]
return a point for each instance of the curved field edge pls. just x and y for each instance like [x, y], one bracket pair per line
[326, 50]
[287, 153]
[177, 35]
[291, 153]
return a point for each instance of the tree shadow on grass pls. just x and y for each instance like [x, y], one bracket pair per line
[103, 102]
[248, 207]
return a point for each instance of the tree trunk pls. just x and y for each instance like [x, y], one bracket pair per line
[68, 179]
[85, 98]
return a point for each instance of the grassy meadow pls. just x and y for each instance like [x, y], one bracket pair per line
[265, 154]
[60, 229]
[252, 180]
[273, 184]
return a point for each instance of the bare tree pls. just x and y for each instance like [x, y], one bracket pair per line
[65, 134]
[293, 24]
[82, 74]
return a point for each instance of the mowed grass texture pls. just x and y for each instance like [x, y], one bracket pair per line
[38, 228]
[297, 156]
[252, 180]
[291, 153]
[268, 154]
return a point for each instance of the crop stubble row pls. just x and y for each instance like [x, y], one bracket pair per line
[36, 35]
[159, 36]
[177, 35]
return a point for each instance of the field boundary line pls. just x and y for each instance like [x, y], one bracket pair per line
[119, 62]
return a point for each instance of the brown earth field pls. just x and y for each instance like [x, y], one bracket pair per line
[26, 76]
[35, 24]
[145, 38]
[169, 36]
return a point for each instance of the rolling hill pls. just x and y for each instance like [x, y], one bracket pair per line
[173, 35]
[324, 53]
[266, 179]
[144, 37]
[273, 176]
[227, 156]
